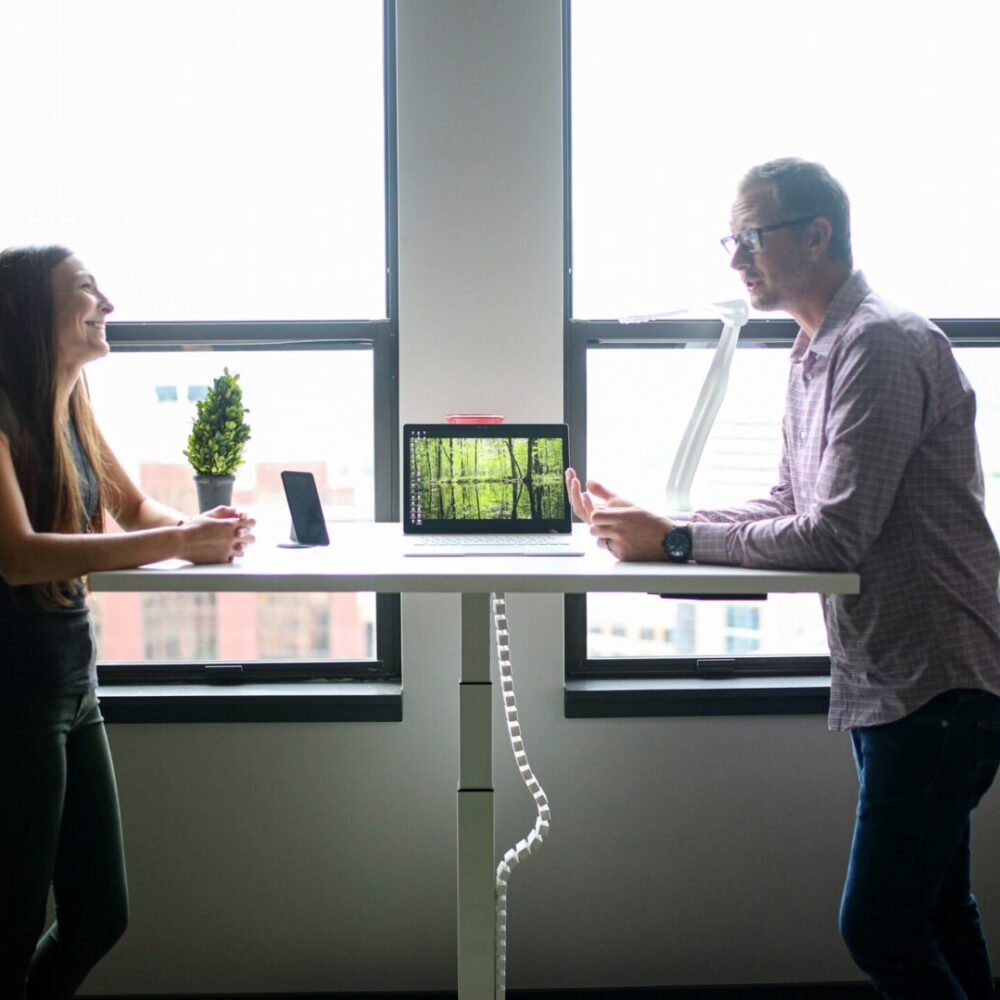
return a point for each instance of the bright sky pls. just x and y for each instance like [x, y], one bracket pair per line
[672, 102]
[208, 159]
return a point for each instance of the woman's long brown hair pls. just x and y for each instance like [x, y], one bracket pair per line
[38, 434]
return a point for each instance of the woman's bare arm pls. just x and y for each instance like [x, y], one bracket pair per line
[28, 556]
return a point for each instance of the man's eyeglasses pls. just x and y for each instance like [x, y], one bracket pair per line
[752, 239]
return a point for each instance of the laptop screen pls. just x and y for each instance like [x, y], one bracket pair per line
[485, 478]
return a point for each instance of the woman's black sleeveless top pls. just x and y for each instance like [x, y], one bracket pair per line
[49, 652]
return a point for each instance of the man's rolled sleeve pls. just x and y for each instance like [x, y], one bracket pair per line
[708, 541]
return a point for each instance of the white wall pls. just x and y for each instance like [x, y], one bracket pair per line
[320, 857]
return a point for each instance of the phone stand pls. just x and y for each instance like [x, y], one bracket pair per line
[294, 543]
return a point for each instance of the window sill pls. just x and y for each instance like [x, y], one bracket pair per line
[303, 702]
[607, 699]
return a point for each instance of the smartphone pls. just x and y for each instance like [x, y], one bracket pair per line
[308, 525]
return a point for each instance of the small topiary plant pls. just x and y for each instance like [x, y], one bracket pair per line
[219, 432]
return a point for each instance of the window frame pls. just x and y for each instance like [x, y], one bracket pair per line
[679, 685]
[123, 683]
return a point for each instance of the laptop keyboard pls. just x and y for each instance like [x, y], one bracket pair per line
[493, 545]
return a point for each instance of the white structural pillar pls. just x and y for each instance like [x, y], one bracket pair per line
[476, 863]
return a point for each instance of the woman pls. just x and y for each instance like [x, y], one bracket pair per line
[59, 817]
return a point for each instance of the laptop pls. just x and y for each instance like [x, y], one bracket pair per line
[487, 490]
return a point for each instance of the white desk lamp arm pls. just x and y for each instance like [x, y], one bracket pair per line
[734, 315]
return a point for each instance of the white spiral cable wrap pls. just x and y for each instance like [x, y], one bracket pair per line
[533, 841]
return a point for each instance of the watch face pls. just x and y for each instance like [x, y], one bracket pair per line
[677, 544]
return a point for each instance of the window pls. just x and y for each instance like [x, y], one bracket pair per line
[161, 639]
[742, 618]
[327, 390]
[684, 627]
[654, 149]
[670, 104]
[228, 158]
[234, 189]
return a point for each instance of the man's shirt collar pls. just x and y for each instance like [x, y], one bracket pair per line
[849, 296]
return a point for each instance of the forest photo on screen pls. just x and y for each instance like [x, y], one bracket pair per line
[483, 479]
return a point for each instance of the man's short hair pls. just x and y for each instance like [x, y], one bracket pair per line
[804, 188]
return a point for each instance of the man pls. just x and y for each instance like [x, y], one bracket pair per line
[879, 475]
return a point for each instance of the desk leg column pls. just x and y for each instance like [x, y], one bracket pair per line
[476, 863]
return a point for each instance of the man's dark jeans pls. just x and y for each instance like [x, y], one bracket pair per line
[908, 915]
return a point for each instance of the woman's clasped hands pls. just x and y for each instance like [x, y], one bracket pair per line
[219, 535]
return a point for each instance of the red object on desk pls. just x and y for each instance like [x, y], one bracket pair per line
[474, 418]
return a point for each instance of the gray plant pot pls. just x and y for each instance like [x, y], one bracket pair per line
[213, 491]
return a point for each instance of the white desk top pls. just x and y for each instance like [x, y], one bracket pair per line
[364, 556]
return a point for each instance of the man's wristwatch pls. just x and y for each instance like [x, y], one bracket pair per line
[676, 544]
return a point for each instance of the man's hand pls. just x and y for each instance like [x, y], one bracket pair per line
[630, 534]
[595, 497]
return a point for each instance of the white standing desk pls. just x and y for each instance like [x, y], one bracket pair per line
[368, 557]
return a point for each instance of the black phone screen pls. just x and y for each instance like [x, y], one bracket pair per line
[308, 525]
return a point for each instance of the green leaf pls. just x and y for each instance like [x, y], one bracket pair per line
[219, 431]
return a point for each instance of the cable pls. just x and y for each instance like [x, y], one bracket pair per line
[533, 841]
[734, 316]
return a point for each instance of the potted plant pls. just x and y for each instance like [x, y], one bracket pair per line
[215, 445]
